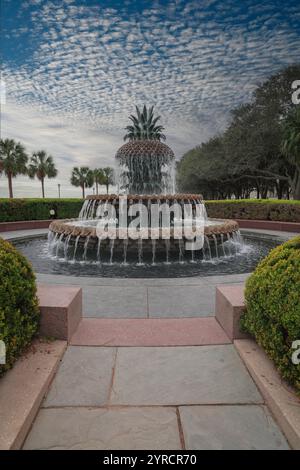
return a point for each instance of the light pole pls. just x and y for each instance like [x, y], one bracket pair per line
[58, 190]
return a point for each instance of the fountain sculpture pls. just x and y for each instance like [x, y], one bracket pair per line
[146, 180]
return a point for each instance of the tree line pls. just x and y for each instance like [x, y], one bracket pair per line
[84, 177]
[258, 152]
[14, 161]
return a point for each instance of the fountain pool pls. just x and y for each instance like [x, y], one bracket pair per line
[146, 229]
[240, 257]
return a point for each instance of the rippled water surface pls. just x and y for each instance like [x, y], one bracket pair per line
[245, 260]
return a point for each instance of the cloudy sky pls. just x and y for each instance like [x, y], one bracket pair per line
[73, 71]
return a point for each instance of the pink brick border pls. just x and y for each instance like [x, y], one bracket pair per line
[149, 332]
[243, 223]
[24, 225]
[61, 310]
[230, 305]
[270, 225]
[23, 388]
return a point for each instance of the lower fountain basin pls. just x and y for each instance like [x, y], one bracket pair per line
[71, 235]
[237, 258]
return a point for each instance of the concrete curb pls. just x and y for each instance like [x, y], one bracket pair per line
[280, 398]
[23, 388]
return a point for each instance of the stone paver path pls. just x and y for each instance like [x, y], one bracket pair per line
[193, 397]
[163, 376]
[114, 298]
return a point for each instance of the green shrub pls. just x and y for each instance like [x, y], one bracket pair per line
[255, 209]
[12, 210]
[273, 307]
[19, 312]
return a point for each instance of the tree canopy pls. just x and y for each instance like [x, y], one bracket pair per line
[249, 154]
[13, 160]
[42, 166]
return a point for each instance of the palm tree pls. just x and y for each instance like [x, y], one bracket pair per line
[42, 166]
[291, 147]
[99, 178]
[108, 177]
[144, 126]
[82, 177]
[13, 159]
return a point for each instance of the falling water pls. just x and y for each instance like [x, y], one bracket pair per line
[139, 175]
[99, 250]
[66, 246]
[216, 245]
[125, 246]
[83, 209]
[204, 211]
[222, 245]
[229, 245]
[52, 243]
[167, 243]
[91, 214]
[208, 245]
[99, 210]
[50, 238]
[112, 244]
[234, 243]
[237, 237]
[86, 244]
[241, 240]
[153, 241]
[75, 248]
[140, 251]
[203, 252]
[58, 244]
[181, 250]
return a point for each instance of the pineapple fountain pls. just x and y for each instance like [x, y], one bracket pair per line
[145, 178]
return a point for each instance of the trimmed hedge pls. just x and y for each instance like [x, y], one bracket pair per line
[273, 307]
[19, 312]
[12, 210]
[255, 209]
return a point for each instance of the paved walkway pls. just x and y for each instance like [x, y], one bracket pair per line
[130, 384]
[146, 298]
[154, 398]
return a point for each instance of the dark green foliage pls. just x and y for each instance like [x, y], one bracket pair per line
[273, 307]
[248, 156]
[19, 312]
[255, 209]
[82, 177]
[144, 126]
[38, 209]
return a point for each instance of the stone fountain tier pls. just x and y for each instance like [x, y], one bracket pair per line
[79, 232]
[150, 149]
